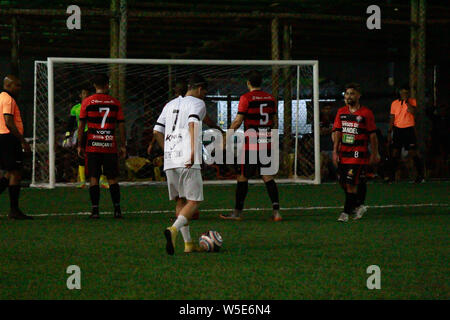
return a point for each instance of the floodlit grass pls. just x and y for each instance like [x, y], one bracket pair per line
[306, 256]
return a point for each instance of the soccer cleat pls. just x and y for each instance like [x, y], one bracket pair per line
[171, 234]
[95, 213]
[231, 216]
[190, 247]
[118, 213]
[419, 179]
[17, 214]
[104, 185]
[359, 212]
[343, 217]
[276, 216]
[82, 185]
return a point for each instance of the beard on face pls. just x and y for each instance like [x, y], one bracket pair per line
[350, 102]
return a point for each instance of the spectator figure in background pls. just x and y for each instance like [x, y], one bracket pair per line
[326, 144]
[439, 143]
[402, 132]
[305, 165]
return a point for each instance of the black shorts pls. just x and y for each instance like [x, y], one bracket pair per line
[102, 163]
[11, 154]
[404, 137]
[251, 168]
[352, 174]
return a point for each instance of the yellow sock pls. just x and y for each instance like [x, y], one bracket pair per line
[103, 179]
[81, 174]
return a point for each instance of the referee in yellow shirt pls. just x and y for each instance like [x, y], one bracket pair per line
[402, 132]
[11, 144]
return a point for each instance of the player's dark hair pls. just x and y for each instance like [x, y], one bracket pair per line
[353, 85]
[86, 87]
[100, 80]
[180, 87]
[255, 78]
[196, 81]
[404, 87]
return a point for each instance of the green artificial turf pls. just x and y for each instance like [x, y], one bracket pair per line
[309, 255]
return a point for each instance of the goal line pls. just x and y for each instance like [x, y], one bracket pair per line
[305, 208]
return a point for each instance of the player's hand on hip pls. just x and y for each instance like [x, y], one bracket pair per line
[80, 152]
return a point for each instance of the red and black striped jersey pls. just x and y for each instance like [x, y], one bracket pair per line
[102, 113]
[356, 128]
[258, 108]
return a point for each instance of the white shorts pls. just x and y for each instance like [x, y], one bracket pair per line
[185, 183]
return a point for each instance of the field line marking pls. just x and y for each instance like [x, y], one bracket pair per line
[413, 205]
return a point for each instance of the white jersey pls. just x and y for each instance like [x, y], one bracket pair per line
[174, 124]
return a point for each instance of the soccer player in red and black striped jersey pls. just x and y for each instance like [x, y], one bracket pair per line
[103, 115]
[354, 127]
[257, 109]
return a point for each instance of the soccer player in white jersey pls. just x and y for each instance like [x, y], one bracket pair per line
[177, 131]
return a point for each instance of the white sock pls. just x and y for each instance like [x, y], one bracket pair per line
[180, 222]
[186, 234]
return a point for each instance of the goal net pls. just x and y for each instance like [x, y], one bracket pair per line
[144, 86]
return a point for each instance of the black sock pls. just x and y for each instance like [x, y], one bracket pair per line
[362, 190]
[394, 164]
[419, 165]
[4, 183]
[114, 189]
[241, 193]
[94, 192]
[14, 192]
[350, 202]
[273, 194]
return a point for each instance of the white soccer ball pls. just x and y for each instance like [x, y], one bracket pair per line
[211, 241]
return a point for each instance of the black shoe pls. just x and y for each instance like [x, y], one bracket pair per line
[419, 179]
[17, 214]
[95, 214]
[117, 213]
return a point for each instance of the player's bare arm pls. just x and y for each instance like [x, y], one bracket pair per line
[150, 145]
[80, 149]
[374, 155]
[159, 137]
[193, 131]
[411, 109]
[234, 125]
[9, 121]
[122, 140]
[336, 144]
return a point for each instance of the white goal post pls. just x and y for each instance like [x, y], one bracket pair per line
[295, 81]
